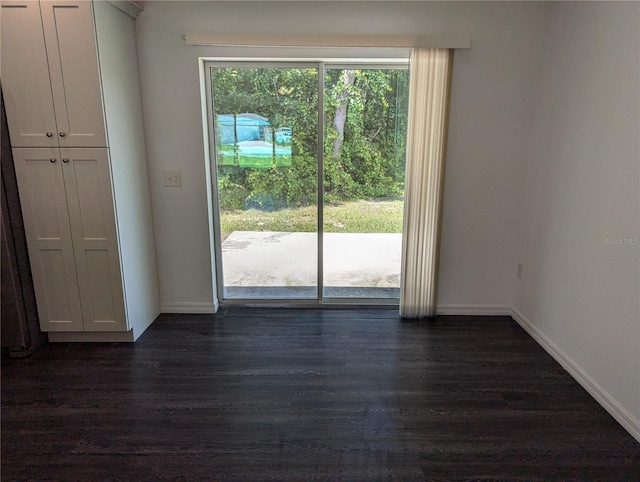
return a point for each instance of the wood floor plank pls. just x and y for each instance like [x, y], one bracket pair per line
[284, 394]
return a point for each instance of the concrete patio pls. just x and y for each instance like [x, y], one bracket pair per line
[284, 265]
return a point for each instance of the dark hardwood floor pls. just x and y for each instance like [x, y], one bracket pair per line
[281, 394]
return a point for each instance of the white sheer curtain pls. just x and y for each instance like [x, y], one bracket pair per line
[426, 147]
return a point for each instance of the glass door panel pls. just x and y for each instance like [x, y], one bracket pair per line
[365, 126]
[266, 149]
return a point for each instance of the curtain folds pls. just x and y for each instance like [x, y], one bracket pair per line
[430, 79]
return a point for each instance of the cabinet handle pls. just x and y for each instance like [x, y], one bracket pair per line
[62, 134]
[53, 160]
[49, 134]
[65, 160]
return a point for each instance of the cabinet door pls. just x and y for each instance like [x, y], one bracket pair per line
[75, 78]
[25, 76]
[93, 226]
[46, 222]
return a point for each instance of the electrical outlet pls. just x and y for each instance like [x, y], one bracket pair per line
[173, 178]
[520, 270]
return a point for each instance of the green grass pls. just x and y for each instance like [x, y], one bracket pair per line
[362, 216]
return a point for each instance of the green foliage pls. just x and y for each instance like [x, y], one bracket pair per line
[231, 194]
[288, 186]
[371, 161]
[371, 153]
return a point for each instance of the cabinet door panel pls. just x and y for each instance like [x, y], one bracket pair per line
[104, 299]
[56, 292]
[25, 76]
[75, 77]
[45, 186]
[89, 184]
[93, 227]
[46, 221]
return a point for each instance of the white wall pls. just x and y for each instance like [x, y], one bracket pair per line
[581, 296]
[490, 121]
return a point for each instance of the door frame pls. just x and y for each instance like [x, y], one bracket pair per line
[206, 64]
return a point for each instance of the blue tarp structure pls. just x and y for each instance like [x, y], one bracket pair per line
[246, 140]
[247, 127]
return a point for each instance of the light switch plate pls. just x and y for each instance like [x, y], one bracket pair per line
[173, 178]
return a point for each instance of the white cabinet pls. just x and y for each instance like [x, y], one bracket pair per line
[53, 92]
[70, 222]
[69, 76]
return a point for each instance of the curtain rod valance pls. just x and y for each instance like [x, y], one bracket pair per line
[445, 41]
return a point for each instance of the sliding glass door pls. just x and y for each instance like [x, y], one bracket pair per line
[266, 130]
[365, 126]
[298, 219]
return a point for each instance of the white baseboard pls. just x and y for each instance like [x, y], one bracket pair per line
[624, 418]
[477, 310]
[474, 310]
[187, 308]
